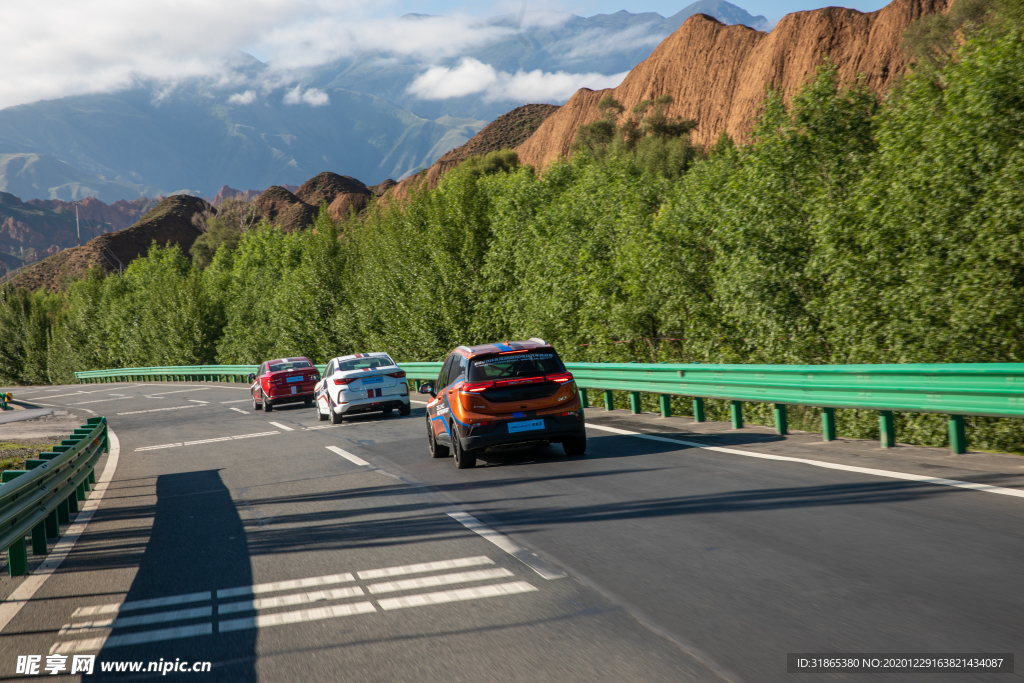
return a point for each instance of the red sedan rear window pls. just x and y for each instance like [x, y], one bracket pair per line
[290, 365]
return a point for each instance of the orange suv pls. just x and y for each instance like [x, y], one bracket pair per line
[500, 394]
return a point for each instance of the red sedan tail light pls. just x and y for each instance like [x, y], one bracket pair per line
[560, 378]
[400, 373]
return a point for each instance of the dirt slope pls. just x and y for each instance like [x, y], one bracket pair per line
[717, 74]
[169, 222]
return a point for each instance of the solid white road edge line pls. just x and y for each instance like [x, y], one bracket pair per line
[281, 426]
[348, 456]
[506, 544]
[985, 488]
[23, 593]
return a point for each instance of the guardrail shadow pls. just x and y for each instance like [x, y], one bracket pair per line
[197, 544]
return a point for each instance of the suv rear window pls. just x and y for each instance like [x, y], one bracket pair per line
[523, 364]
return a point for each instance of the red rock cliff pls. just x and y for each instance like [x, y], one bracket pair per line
[717, 74]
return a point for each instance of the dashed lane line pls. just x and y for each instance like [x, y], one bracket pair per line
[284, 427]
[290, 600]
[240, 400]
[180, 391]
[456, 595]
[202, 441]
[118, 607]
[508, 545]
[159, 635]
[193, 400]
[348, 456]
[404, 570]
[140, 620]
[296, 617]
[984, 488]
[157, 410]
[277, 586]
[438, 580]
[239, 410]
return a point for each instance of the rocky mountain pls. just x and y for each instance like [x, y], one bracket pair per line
[717, 74]
[355, 116]
[169, 222]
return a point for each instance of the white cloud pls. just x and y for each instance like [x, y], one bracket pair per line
[472, 77]
[247, 97]
[313, 97]
[56, 48]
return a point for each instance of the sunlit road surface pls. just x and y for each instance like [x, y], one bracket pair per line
[281, 548]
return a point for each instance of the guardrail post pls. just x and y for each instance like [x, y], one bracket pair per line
[886, 428]
[39, 539]
[80, 492]
[73, 501]
[634, 402]
[92, 477]
[698, 409]
[17, 558]
[828, 424]
[781, 423]
[666, 405]
[52, 526]
[957, 434]
[609, 400]
[583, 398]
[736, 412]
[64, 512]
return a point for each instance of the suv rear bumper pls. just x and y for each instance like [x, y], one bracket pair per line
[555, 429]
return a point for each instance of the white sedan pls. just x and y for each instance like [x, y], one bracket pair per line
[361, 383]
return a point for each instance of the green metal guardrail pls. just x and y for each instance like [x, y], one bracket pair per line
[955, 389]
[37, 500]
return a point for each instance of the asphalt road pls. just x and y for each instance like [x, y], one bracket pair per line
[643, 561]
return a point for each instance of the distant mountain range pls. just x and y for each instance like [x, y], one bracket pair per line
[356, 116]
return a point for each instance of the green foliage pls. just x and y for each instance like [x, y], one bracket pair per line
[848, 231]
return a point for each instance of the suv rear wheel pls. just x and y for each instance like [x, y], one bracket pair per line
[436, 449]
[464, 459]
[577, 445]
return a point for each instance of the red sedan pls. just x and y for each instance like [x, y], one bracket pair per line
[285, 380]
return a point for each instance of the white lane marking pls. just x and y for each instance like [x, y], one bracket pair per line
[296, 617]
[985, 488]
[422, 403]
[438, 580]
[48, 405]
[322, 427]
[239, 410]
[281, 426]
[102, 400]
[275, 586]
[506, 544]
[441, 597]
[76, 393]
[348, 456]
[289, 600]
[124, 622]
[406, 569]
[156, 410]
[118, 607]
[202, 441]
[10, 607]
[91, 412]
[192, 400]
[180, 391]
[156, 636]
[241, 400]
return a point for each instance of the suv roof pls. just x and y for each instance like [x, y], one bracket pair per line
[503, 347]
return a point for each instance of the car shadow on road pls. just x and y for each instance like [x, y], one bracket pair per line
[196, 545]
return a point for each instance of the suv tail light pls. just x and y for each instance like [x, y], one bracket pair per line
[560, 378]
[400, 373]
[474, 387]
[348, 380]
